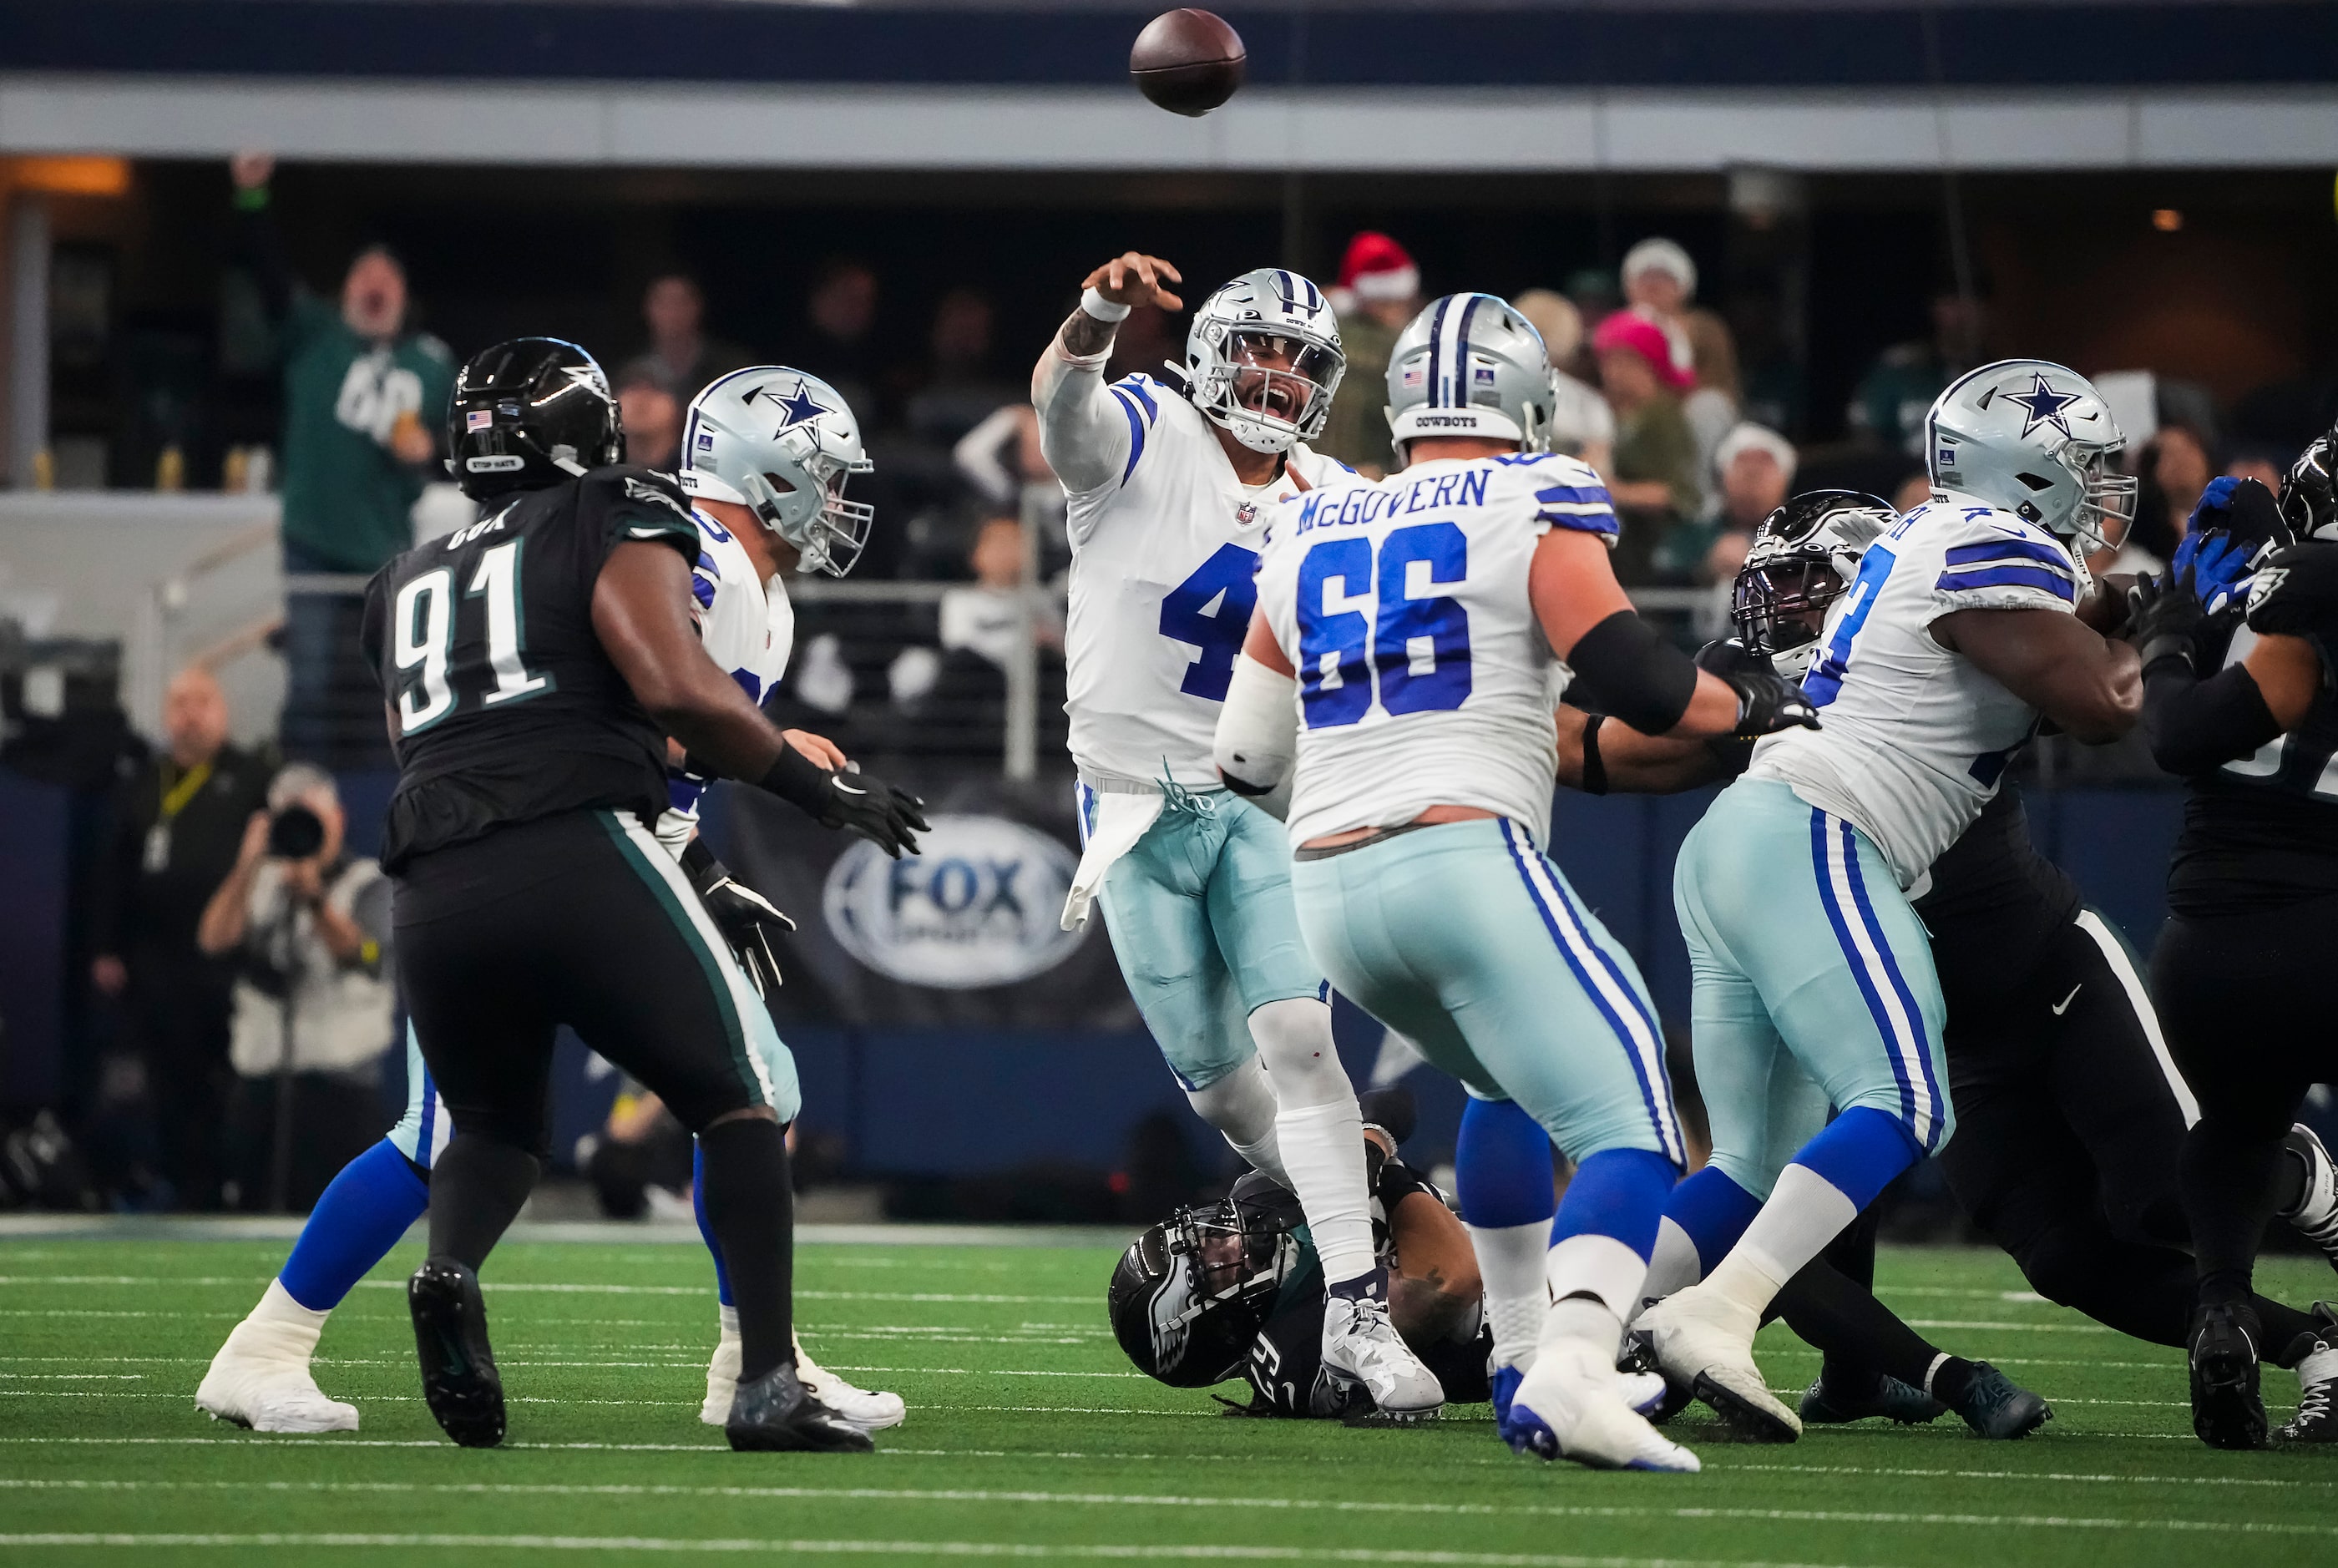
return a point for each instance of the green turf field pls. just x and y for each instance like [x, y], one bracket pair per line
[1029, 1437]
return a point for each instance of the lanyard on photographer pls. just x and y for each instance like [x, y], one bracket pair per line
[175, 800]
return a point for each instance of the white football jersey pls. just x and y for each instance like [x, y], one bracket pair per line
[1916, 737]
[1424, 678]
[1163, 562]
[748, 628]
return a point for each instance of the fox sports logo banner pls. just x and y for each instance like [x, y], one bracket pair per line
[977, 906]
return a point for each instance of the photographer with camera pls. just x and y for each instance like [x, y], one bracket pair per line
[309, 927]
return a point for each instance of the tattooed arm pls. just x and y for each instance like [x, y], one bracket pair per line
[1081, 429]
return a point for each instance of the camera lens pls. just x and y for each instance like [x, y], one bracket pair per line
[295, 833]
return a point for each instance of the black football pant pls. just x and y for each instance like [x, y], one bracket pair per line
[583, 919]
[2240, 996]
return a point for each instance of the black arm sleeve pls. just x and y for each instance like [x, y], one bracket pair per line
[2197, 725]
[1632, 675]
[258, 245]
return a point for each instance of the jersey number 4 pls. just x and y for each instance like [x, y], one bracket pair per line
[1414, 649]
[1211, 610]
[423, 633]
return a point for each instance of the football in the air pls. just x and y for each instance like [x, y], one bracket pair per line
[1187, 61]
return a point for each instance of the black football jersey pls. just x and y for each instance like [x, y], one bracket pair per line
[1992, 902]
[2261, 830]
[505, 707]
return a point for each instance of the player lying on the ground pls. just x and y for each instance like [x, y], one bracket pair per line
[1170, 484]
[2070, 1114]
[261, 1377]
[1234, 1288]
[2238, 643]
[1399, 671]
[1971, 620]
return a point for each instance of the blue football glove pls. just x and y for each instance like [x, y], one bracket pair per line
[2210, 565]
[2214, 510]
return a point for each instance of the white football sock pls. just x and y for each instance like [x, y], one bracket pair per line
[1510, 1262]
[1806, 1211]
[1589, 1264]
[278, 1309]
[1319, 1130]
[1587, 1321]
[1241, 1106]
[1674, 1265]
[727, 1318]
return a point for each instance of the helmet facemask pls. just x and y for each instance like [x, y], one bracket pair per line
[2309, 492]
[827, 538]
[1214, 1280]
[1780, 609]
[2103, 495]
[1271, 389]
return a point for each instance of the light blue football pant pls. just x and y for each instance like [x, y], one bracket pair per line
[1202, 922]
[1813, 981]
[1467, 939]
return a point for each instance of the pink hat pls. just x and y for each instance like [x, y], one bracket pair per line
[1629, 330]
[1377, 267]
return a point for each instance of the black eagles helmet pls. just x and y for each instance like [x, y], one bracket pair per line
[2309, 495]
[1803, 555]
[1190, 1294]
[527, 414]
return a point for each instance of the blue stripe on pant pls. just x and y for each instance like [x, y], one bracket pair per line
[1465, 938]
[1813, 981]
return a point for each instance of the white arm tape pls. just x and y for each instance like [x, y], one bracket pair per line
[1258, 727]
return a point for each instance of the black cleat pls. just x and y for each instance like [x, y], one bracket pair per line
[1997, 1406]
[1639, 1354]
[1829, 1403]
[459, 1380]
[2316, 1357]
[2227, 1411]
[776, 1412]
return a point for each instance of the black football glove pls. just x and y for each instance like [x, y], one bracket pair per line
[745, 917]
[1726, 656]
[2162, 615]
[1768, 702]
[888, 817]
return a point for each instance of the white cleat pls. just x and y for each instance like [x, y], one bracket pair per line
[854, 1406]
[2316, 1215]
[1361, 1347]
[870, 1412]
[1705, 1341]
[1572, 1406]
[260, 1379]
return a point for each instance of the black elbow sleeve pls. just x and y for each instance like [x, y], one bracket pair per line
[1626, 669]
[2197, 725]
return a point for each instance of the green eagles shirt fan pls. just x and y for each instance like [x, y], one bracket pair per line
[507, 708]
[347, 498]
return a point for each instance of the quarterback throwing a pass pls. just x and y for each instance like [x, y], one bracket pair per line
[1410, 639]
[1170, 487]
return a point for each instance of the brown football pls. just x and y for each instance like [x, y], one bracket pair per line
[1187, 61]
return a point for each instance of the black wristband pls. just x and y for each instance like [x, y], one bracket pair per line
[797, 779]
[1594, 770]
[697, 860]
[2168, 645]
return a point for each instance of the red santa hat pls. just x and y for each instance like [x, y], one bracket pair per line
[1376, 267]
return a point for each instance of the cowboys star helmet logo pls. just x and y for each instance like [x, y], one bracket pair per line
[2042, 405]
[800, 406]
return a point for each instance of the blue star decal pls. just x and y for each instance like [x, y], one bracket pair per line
[2043, 404]
[800, 406]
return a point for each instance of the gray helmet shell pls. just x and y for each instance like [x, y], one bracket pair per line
[780, 443]
[1269, 302]
[1470, 365]
[2034, 438]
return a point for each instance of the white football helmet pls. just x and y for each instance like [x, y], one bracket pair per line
[2033, 438]
[780, 443]
[1803, 557]
[1263, 358]
[1470, 365]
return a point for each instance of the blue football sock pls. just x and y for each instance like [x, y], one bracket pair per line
[1501, 1166]
[1619, 1193]
[1712, 1212]
[706, 1231]
[1859, 1152]
[360, 1217]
